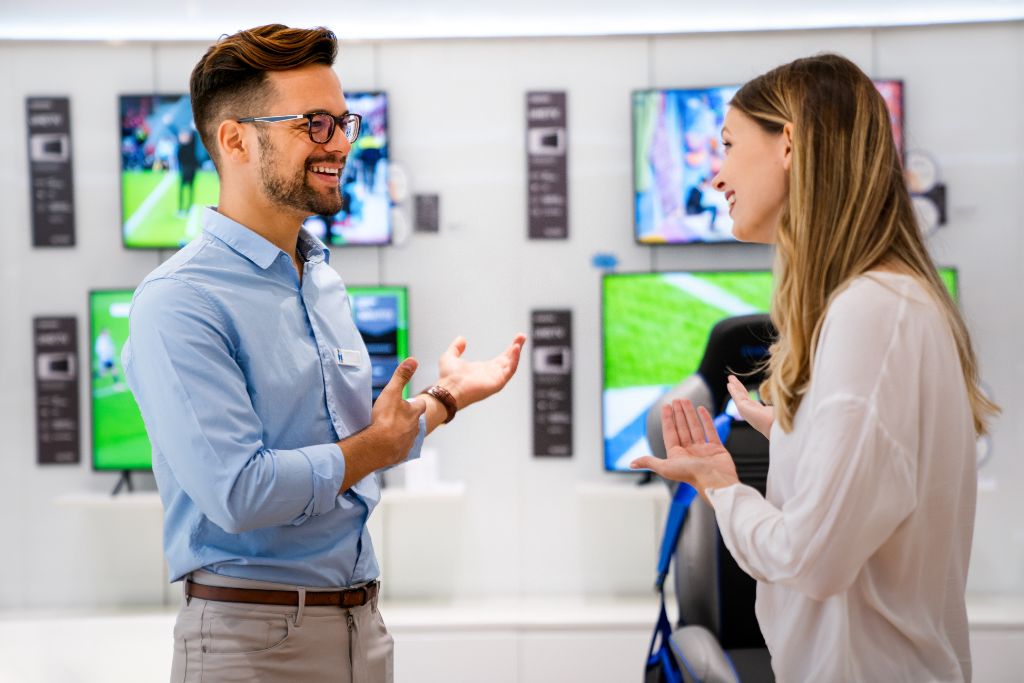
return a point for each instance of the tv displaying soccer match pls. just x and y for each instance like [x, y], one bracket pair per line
[654, 328]
[365, 216]
[677, 151]
[167, 176]
[119, 440]
[166, 173]
[381, 315]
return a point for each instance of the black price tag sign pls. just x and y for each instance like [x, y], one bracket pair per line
[58, 438]
[552, 382]
[547, 164]
[49, 160]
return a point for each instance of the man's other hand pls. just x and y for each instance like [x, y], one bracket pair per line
[394, 420]
[473, 381]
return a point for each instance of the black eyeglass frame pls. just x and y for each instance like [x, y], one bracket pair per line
[335, 121]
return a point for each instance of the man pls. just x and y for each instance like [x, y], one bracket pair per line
[188, 163]
[695, 202]
[106, 356]
[255, 386]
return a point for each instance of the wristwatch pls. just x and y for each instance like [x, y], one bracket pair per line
[446, 399]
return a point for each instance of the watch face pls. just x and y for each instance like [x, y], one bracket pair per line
[921, 172]
[927, 214]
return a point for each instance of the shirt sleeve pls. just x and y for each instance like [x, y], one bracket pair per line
[181, 367]
[855, 480]
[417, 445]
[365, 488]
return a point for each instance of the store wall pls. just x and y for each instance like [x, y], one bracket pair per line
[457, 125]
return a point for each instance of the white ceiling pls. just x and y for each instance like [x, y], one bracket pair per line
[411, 19]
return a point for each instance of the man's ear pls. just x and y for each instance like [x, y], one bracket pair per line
[232, 142]
[787, 146]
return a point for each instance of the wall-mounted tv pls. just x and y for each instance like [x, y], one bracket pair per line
[166, 173]
[365, 217]
[892, 92]
[654, 328]
[677, 150]
[119, 439]
[167, 176]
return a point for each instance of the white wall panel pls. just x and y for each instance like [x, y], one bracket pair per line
[457, 125]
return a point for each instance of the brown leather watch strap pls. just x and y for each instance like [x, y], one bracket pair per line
[446, 399]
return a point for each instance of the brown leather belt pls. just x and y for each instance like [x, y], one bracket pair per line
[350, 597]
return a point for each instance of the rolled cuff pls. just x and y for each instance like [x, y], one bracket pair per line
[327, 469]
[417, 445]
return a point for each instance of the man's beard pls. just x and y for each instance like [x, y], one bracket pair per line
[295, 192]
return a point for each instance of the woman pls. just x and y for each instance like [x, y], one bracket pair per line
[861, 546]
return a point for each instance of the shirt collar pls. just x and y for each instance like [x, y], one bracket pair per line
[312, 249]
[255, 247]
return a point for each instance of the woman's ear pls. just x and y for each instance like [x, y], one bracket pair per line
[786, 142]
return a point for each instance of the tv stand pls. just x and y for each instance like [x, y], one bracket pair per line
[646, 478]
[126, 481]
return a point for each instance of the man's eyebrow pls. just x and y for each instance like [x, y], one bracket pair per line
[322, 110]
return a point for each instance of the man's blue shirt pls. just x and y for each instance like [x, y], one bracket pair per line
[236, 367]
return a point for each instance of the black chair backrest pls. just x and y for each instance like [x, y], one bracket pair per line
[735, 345]
[712, 589]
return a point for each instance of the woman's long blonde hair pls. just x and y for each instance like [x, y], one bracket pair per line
[848, 212]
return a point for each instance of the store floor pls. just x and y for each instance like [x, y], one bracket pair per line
[514, 641]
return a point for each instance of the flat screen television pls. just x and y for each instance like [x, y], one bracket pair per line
[166, 173]
[654, 328]
[365, 217]
[381, 315]
[119, 439]
[677, 150]
[167, 176]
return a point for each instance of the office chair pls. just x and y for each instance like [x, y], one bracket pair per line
[719, 635]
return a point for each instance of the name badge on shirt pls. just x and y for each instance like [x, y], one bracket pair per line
[349, 358]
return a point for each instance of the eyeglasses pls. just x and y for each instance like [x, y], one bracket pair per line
[321, 124]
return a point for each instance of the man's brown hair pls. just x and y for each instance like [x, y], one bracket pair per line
[231, 78]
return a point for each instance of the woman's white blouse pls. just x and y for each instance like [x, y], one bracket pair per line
[860, 548]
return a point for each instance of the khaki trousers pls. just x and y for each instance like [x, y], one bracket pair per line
[224, 642]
